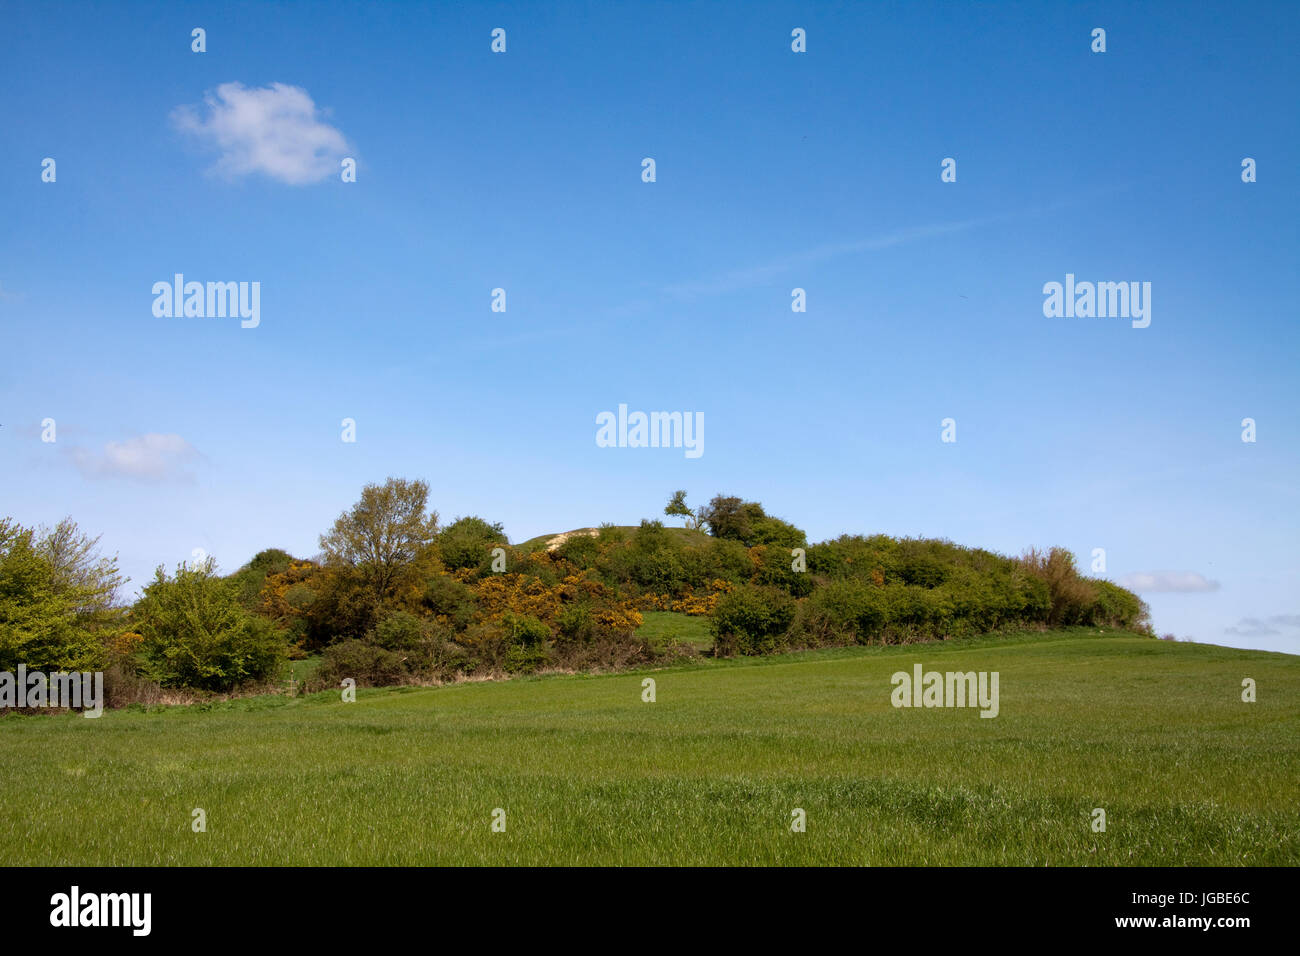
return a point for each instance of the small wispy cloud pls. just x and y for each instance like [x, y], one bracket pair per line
[757, 275]
[1264, 627]
[1169, 582]
[276, 130]
[149, 457]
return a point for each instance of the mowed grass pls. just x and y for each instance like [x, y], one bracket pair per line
[587, 773]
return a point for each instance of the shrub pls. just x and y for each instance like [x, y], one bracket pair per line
[581, 550]
[285, 598]
[844, 612]
[1115, 606]
[751, 620]
[195, 633]
[367, 664]
[775, 569]
[539, 565]
[40, 623]
[926, 563]
[610, 533]
[526, 639]
[450, 600]
[575, 624]
[397, 631]
[345, 607]
[774, 531]
[1072, 597]
[252, 577]
[468, 542]
[724, 560]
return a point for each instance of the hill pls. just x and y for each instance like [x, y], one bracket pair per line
[553, 541]
[396, 597]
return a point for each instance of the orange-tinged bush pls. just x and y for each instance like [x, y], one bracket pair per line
[123, 644]
[274, 601]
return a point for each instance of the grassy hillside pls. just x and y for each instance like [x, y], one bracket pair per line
[663, 627]
[1154, 732]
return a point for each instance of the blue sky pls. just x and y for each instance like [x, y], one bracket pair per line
[775, 170]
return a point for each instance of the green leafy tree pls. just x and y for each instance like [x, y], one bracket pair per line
[678, 508]
[48, 622]
[383, 533]
[89, 579]
[731, 517]
[735, 519]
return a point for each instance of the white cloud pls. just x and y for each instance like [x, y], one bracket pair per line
[1178, 582]
[275, 130]
[152, 457]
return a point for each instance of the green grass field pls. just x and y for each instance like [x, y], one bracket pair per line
[1153, 732]
[661, 628]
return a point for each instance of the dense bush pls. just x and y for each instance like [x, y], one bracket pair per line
[195, 633]
[367, 664]
[1115, 606]
[881, 589]
[527, 639]
[581, 550]
[249, 580]
[468, 543]
[576, 624]
[345, 607]
[775, 568]
[751, 620]
[1076, 600]
[397, 631]
[1072, 596]
[450, 600]
[844, 612]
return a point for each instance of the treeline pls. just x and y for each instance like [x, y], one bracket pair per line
[395, 596]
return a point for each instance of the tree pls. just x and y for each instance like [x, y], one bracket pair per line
[78, 569]
[39, 623]
[677, 507]
[383, 532]
[746, 521]
[56, 598]
[730, 517]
